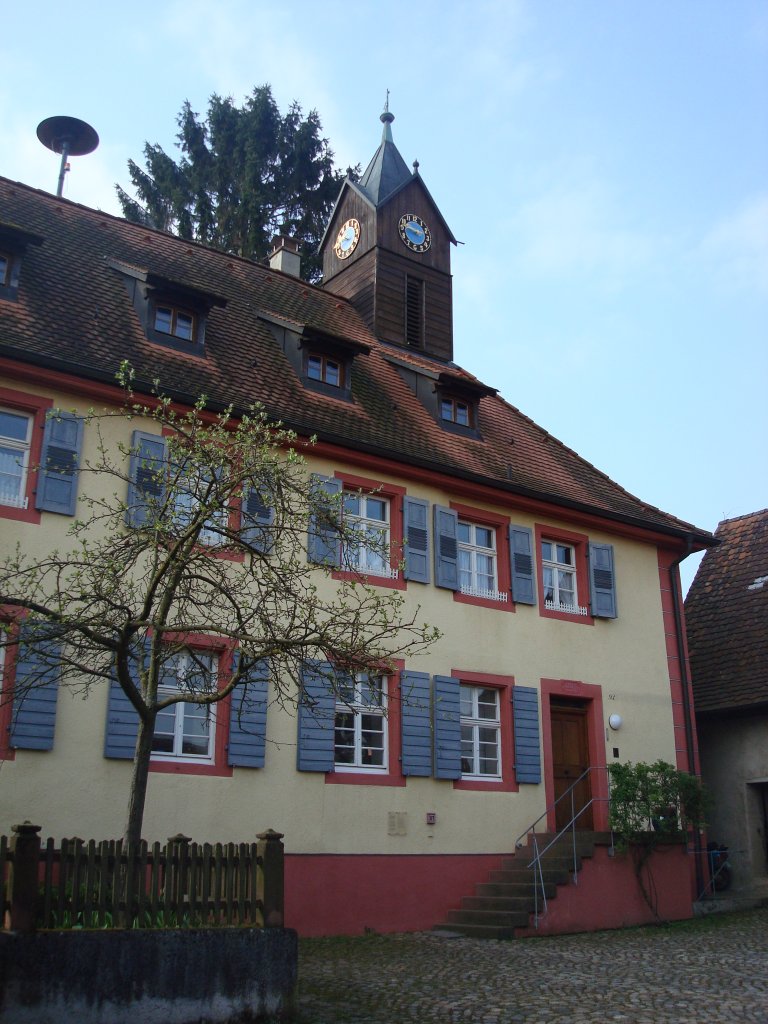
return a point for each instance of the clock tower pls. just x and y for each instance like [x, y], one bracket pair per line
[387, 250]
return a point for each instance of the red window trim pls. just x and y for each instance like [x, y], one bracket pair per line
[218, 766]
[394, 776]
[504, 684]
[501, 525]
[35, 406]
[580, 543]
[394, 494]
[11, 617]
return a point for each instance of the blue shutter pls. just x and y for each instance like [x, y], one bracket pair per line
[446, 548]
[248, 718]
[447, 718]
[521, 559]
[416, 723]
[602, 582]
[59, 464]
[324, 541]
[257, 520]
[146, 490]
[36, 688]
[525, 707]
[122, 718]
[416, 546]
[317, 711]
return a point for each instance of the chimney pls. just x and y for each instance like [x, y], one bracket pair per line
[285, 255]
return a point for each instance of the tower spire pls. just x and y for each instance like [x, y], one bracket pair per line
[387, 118]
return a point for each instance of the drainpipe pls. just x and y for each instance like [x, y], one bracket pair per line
[677, 611]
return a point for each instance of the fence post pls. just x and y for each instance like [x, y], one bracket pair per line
[22, 884]
[270, 850]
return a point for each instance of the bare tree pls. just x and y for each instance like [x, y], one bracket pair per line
[208, 525]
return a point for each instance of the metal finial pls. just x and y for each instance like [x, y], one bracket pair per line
[386, 117]
[415, 166]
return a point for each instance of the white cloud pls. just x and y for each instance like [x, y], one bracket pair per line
[736, 248]
[581, 229]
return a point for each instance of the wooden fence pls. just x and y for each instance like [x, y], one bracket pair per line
[111, 884]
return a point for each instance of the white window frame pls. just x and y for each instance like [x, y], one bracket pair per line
[472, 581]
[368, 560]
[556, 568]
[185, 504]
[182, 710]
[177, 314]
[353, 703]
[12, 444]
[472, 722]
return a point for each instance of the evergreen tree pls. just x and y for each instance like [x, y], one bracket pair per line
[245, 174]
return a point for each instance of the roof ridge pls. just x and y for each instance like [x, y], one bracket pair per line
[132, 224]
[746, 515]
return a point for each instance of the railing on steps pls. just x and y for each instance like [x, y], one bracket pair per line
[539, 887]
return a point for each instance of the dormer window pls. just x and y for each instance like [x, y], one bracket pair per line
[179, 323]
[326, 370]
[456, 410]
[173, 313]
[14, 243]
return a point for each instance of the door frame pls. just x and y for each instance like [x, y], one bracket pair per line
[592, 696]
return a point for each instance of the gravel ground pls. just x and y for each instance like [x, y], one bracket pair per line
[706, 971]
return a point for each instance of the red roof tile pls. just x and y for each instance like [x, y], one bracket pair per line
[73, 312]
[727, 615]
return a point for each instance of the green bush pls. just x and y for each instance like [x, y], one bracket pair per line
[654, 801]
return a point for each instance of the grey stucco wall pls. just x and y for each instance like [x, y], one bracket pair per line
[734, 760]
[156, 977]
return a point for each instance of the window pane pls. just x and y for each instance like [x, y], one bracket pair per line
[462, 414]
[185, 325]
[488, 704]
[546, 551]
[446, 409]
[564, 554]
[464, 533]
[484, 537]
[315, 368]
[5, 267]
[14, 425]
[163, 319]
[332, 373]
[376, 508]
[352, 503]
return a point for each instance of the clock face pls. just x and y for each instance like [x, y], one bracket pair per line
[347, 239]
[414, 233]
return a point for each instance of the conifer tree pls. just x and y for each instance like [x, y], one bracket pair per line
[245, 174]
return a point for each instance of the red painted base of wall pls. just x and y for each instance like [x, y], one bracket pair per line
[344, 894]
[608, 894]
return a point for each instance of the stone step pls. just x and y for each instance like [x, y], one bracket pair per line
[503, 904]
[523, 861]
[478, 931]
[509, 889]
[494, 918]
[559, 877]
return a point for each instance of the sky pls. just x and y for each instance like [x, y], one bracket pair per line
[604, 164]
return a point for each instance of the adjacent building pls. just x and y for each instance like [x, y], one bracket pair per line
[727, 614]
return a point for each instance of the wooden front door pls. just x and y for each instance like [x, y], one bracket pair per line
[570, 757]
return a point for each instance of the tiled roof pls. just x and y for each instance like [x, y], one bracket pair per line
[73, 313]
[727, 615]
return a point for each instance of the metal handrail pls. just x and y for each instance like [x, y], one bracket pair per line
[536, 862]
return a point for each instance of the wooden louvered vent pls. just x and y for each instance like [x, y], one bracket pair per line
[414, 311]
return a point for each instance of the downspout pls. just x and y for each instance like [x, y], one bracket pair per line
[677, 611]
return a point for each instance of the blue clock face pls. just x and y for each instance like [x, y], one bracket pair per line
[347, 239]
[414, 233]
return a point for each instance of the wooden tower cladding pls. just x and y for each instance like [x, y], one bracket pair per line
[387, 250]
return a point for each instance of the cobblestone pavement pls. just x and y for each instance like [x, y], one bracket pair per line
[708, 971]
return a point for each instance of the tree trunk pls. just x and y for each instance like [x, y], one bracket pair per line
[139, 780]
